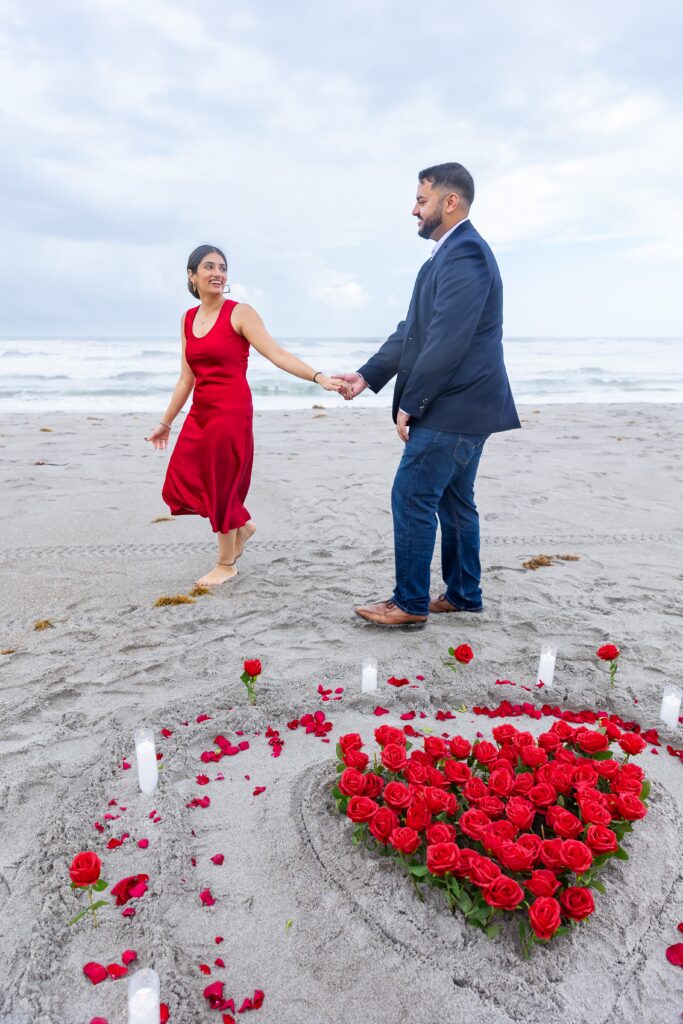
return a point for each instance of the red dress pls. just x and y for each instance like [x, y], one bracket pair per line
[210, 469]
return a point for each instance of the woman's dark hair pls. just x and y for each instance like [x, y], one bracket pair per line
[195, 258]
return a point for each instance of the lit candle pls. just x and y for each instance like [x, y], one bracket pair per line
[546, 664]
[143, 997]
[145, 752]
[671, 705]
[369, 676]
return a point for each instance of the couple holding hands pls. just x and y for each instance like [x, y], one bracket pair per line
[451, 393]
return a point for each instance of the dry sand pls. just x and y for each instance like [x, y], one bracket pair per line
[78, 546]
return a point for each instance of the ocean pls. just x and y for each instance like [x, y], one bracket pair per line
[138, 374]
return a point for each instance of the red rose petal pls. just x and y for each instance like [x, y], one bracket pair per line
[99, 1020]
[205, 969]
[227, 1019]
[164, 1013]
[680, 926]
[128, 956]
[218, 859]
[259, 790]
[143, 843]
[380, 711]
[408, 716]
[218, 940]
[219, 962]
[167, 732]
[128, 912]
[258, 998]
[421, 678]
[674, 954]
[202, 780]
[95, 972]
[393, 681]
[246, 1005]
[125, 765]
[116, 971]
[203, 718]
[206, 898]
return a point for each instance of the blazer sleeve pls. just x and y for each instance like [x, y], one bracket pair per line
[462, 288]
[381, 367]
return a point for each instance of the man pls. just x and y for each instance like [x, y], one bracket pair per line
[451, 393]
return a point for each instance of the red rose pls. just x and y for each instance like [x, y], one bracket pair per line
[601, 839]
[522, 739]
[456, 771]
[436, 778]
[459, 747]
[361, 808]
[85, 869]
[504, 892]
[577, 902]
[492, 805]
[130, 888]
[607, 769]
[474, 823]
[373, 784]
[503, 733]
[590, 740]
[418, 815]
[523, 784]
[562, 728]
[520, 812]
[350, 741]
[389, 734]
[497, 833]
[383, 823]
[394, 757]
[397, 795]
[253, 667]
[543, 882]
[419, 757]
[515, 857]
[405, 840]
[435, 747]
[485, 752]
[441, 832]
[594, 813]
[442, 857]
[481, 871]
[463, 653]
[437, 799]
[542, 794]
[562, 776]
[608, 652]
[551, 853]
[533, 757]
[631, 743]
[544, 917]
[501, 782]
[474, 789]
[352, 782]
[611, 728]
[576, 856]
[584, 775]
[416, 773]
[355, 758]
[530, 841]
[630, 807]
[549, 741]
[563, 822]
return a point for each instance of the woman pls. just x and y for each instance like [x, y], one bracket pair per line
[210, 469]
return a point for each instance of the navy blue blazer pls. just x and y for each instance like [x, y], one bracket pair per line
[447, 355]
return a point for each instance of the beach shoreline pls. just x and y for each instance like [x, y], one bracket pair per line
[80, 546]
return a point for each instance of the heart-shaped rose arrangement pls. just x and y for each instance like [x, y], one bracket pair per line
[520, 825]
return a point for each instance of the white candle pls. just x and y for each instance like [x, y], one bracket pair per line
[546, 664]
[143, 997]
[671, 705]
[369, 675]
[146, 755]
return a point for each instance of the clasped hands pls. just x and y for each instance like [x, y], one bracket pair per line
[355, 384]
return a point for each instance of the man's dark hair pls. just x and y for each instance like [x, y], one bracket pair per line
[195, 258]
[453, 177]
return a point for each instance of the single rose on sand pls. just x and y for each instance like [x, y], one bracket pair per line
[252, 670]
[85, 874]
[610, 653]
[460, 655]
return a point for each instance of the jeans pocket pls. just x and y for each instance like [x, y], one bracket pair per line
[467, 445]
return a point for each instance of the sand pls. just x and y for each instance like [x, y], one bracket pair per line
[79, 547]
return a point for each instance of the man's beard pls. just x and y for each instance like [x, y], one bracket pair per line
[430, 225]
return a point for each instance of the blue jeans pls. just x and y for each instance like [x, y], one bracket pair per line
[436, 477]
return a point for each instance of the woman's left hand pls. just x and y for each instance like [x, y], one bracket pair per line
[342, 387]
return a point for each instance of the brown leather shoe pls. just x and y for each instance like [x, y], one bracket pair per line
[440, 604]
[388, 614]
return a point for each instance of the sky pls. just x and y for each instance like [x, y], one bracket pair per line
[291, 135]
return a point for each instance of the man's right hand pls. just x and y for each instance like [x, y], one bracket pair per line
[357, 383]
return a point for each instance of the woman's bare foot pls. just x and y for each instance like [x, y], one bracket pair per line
[244, 534]
[220, 573]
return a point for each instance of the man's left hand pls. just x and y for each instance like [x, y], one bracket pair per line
[402, 421]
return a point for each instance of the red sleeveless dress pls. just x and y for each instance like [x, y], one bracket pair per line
[210, 469]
